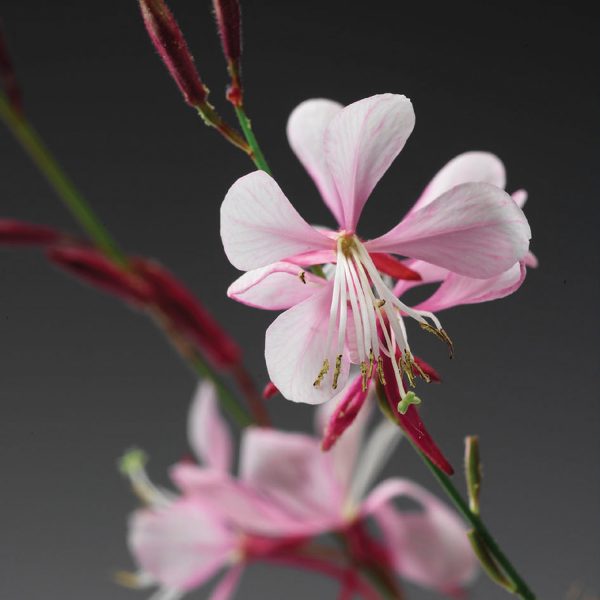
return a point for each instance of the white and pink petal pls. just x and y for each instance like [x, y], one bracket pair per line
[475, 229]
[259, 226]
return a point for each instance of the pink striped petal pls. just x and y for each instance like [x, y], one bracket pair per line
[275, 287]
[458, 289]
[225, 589]
[259, 226]
[428, 547]
[470, 167]
[475, 229]
[306, 131]
[208, 433]
[235, 502]
[295, 348]
[360, 144]
[180, 546]
[291, 469]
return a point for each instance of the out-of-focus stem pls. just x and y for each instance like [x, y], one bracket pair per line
[255, 401]
[72, 199]
[257, 156]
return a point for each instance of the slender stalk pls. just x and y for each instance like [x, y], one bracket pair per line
[521, 589]
[85, 216]
[64, 187]
[257, 156]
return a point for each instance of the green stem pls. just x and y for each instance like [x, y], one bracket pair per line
[75, 203]
[257, 156]
[520, 587]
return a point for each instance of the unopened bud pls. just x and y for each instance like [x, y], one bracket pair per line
[186, 313]
[8, 78]
[473, 471]
[227, 13]
[19, 233]
[173, 49]
[269, 390]
[92, 267]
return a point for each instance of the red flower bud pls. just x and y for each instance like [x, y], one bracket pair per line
[14, 232]
[227, 13]
[269, 390]
[188, 315]
[8, 77]
[410, 422]
[173, 49]
[92, 267]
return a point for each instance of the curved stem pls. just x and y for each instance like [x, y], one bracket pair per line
[257, 156]
[64, 187]
[521, 589]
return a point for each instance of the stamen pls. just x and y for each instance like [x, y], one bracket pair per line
[371, 363]
[337, 371]
[441, 335]
[379, 302]
[380, 371]
[324, 370]
[302, 276]
[364, 375]
[422, 373]
[406, 365]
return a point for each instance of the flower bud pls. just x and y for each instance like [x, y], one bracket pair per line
[172, 48]
[91, 266]
[188, 315]
[227, 13]
[14, 232]
[269, 391]
[8, 78]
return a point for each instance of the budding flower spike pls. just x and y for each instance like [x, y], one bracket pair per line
[227, 14]
[473, 229]
[168, 39]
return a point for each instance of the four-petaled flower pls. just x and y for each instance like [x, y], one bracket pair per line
[473, 229]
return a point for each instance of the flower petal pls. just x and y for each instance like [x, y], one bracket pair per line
[275, 287]
[458, 289]
[429, 274]
[235, 502]
[470, 167]
[208, 433]
[429, 547]
[291, 469]
[475, 229]
[225, 589]
[259, 226]
[306, 131]
[360, 144]
[180, 546]
[295, 350]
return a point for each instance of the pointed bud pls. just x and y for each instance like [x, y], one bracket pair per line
[188, 315]
[8, 78]
[344, 414]
[172, 47]
[19, 233]
[269, 391]
[473, 471]
[91, 266]
[227, 13]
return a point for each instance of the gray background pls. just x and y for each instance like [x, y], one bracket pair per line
[82, 378]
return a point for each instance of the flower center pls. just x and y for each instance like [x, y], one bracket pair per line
[360, 292]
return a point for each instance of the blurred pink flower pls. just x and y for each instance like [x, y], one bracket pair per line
[472, 229]
[287, 491]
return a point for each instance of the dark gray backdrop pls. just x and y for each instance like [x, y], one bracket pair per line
[82, 378]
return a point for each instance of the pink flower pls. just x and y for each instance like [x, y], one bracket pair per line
[456, 289]
[287, 491]
[472, 229]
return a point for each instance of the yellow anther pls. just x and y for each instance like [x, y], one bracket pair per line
[364, 375]
[422, 373]
[379, 302]
[380, 370]
[346, 245]
[440, 334]
[324, 370]
[337, 371]
[371, 363]
[406, 364]
[302, 276]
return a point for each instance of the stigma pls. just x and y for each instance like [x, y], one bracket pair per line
[363, 303]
